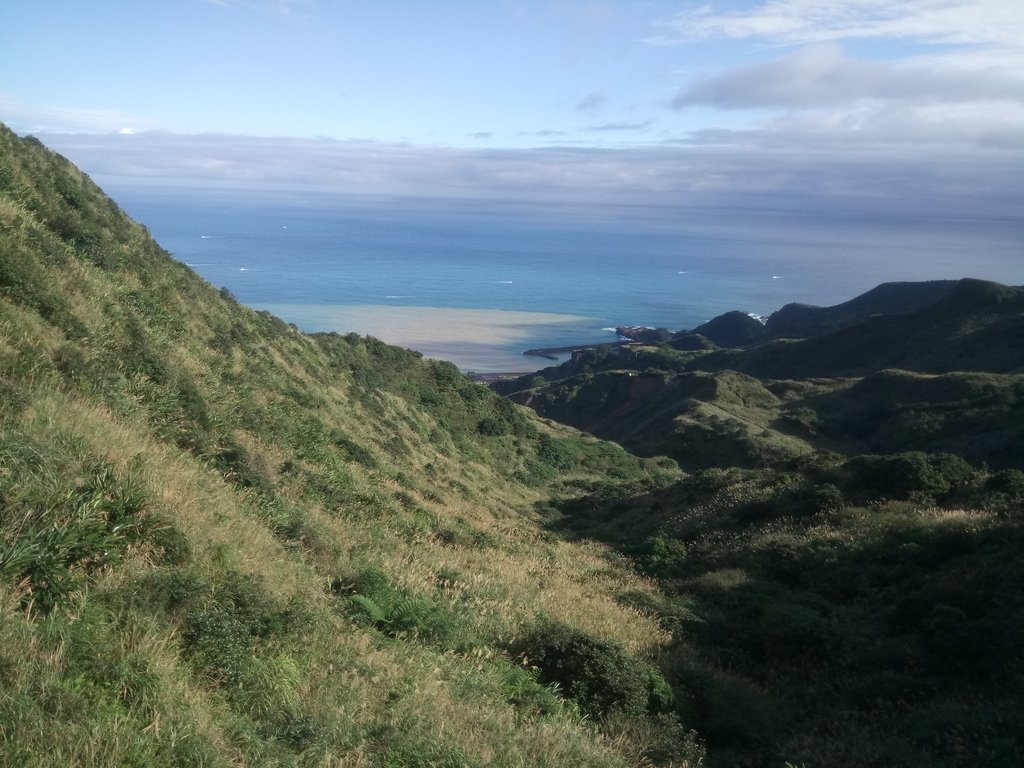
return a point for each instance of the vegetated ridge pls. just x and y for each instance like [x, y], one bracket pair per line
[943, 372]
[228, 542]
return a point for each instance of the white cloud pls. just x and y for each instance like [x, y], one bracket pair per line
[928, 130]
[944, 76]
[979, 22]
[822, 75]
[611, 127]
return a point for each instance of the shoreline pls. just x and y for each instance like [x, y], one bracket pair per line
[549, 353]
[552, 353]
[490, 378]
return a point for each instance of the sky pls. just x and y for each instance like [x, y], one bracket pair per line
[912, 106]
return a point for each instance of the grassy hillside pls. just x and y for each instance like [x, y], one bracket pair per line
[700, 419]
[227, 542]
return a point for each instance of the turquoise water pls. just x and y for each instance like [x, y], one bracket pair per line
[479, 282]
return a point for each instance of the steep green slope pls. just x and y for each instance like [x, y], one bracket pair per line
[227, 542]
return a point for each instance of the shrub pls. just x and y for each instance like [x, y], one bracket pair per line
[599, 674]
[219, 644]
[404, 749]
[809, 500]
[429, 621]
[301, 732]
[825, 497]
[353, 450]
[1007, 481]
[914, 476]
[371, 583]
[528, 695]
[223, 634]
[13, 400]
[170, 589]
[667, 555]
[1005, 490]
[727, 710]
[558, 454]
[804, 419]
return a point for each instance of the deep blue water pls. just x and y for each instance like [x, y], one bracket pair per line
[302, 254]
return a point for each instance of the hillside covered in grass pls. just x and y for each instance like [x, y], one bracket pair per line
[227, 542]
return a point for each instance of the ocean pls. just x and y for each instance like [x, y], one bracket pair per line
[479, 282]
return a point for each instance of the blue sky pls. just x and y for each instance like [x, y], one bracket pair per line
[877, 103]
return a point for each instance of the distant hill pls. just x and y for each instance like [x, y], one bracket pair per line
[976, 326]
[733, 329]
[802, 320]
[643, 396]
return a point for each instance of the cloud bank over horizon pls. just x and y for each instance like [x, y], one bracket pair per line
[912, 106]
[757, 168]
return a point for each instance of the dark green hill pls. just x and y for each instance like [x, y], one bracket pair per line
[733, 329]
[979, 416]
[719, 419]
[978, 326]
[644, 396]
[799, 321]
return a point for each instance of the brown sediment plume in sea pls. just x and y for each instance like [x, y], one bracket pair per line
[473, 339]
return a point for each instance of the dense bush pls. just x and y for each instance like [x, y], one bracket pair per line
[555, 453]
[597, 673]
[229, 626]
[1005, 490]
[914, 476]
